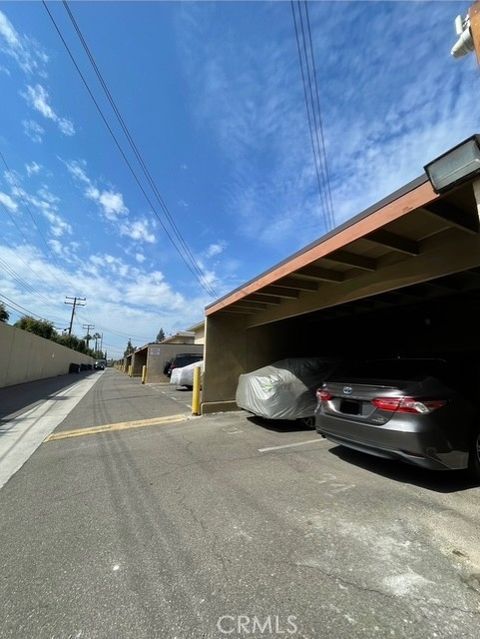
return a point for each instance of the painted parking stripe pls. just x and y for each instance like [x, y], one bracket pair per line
[107, 428]
[309, 441]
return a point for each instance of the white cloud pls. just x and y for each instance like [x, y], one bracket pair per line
[66, 251]
[33, 130]
[215, 249]
[77, 169]
[138, 230]
[112, 205]
[38, 98]
[47, 203]
[7, 201]
[106, 262]
[66, 126]
[140, 257]
[12, 177]
[58, 226]
[47, 195]
[27, 53]
[8, 32]
[110, 202]
[32, 168]
[139, 301]
[381, 123]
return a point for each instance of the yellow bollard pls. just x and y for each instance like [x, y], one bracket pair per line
[130, 370]
[196, 391]
[144, 374]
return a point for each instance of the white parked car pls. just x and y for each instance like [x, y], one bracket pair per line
[184, 376]
[285, 389]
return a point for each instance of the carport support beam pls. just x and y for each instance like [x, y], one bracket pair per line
[476, 192]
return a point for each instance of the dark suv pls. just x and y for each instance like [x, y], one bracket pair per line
[181, 360]
[422, 411]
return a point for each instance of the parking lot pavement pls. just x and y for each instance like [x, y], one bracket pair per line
[118, 398]
[179, 394]
[220, 526]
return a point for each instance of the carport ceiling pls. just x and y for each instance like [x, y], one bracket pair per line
[465, 284]
[412, 237]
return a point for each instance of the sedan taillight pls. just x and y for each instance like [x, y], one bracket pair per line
[407, 405]
[323, 395]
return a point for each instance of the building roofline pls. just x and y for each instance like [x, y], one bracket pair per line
[196, 326]
[416, 184]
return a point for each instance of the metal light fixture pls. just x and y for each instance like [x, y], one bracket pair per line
[465, 43]
[455, 166]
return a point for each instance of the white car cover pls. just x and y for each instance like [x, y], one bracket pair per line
[175, 376]
[184, 376]
[285, 389]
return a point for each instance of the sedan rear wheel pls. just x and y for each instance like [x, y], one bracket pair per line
[474, 457]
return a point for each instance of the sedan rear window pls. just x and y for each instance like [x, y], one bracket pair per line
[394, 369]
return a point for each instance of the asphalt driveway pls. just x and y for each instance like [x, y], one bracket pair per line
[223, 526]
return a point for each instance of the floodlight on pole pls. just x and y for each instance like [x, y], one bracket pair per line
[455, 166]
[464, 44]
[468, 32]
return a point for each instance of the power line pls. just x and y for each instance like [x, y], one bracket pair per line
[11, 304]
[306, 58]
[17, 279]
[118, 333]
[134, 146]
[319, 113]
[204, 285]
[21, 282]
[20, 192]
[316, 110]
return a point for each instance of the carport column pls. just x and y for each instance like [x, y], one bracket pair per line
[225, 360]
[476, 191]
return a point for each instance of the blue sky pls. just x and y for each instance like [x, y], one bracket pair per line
[213, 96]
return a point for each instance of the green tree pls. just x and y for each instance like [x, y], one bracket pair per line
[160, 336]
[4, 314]
[130, 348]
[97, 337]
[43, 328]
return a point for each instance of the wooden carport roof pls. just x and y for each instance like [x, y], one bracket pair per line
[412, 236]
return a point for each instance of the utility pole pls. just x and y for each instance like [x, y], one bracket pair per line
[88, 327]
[75, 301]
[101, 343]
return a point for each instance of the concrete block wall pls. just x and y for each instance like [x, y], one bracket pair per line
[160, 354]
[26, 357]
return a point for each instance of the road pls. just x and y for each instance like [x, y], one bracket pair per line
[221, 526]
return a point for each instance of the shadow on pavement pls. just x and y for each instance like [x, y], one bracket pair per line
[280, 425]
[15, 399]
[436, 480]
